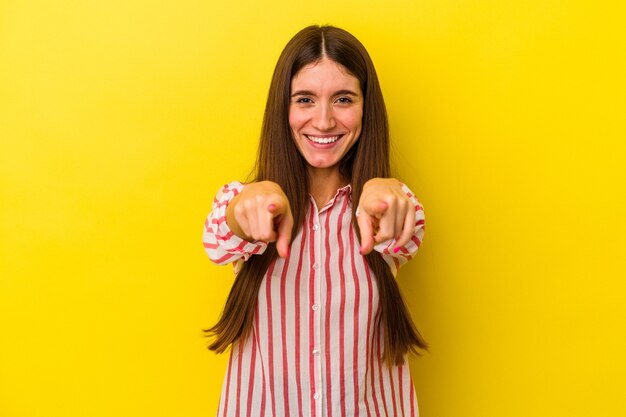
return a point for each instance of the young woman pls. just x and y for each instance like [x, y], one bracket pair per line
[315, 320]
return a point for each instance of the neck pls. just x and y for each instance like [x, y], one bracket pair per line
[324, 183]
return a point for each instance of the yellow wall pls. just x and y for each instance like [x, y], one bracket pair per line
[119, 120]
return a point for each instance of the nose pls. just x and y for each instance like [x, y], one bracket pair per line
[324, 119]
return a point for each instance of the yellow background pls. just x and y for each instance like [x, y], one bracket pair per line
[120, 119]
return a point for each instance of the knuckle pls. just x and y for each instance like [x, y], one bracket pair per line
[392, 201]
[267, 236]
[247, 204]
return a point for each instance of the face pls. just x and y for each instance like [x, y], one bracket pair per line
[325, 113]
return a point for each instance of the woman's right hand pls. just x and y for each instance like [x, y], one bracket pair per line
[261, 212]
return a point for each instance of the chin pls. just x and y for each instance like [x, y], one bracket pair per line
[323, 164]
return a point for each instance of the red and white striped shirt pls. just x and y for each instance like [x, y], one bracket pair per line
[315, 348]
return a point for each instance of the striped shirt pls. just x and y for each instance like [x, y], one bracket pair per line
[315, 348]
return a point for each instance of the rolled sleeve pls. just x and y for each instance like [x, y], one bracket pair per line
[220, 243]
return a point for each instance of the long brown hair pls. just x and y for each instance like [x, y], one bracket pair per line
[280, 161]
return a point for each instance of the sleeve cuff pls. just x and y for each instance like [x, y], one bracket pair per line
[227, 240]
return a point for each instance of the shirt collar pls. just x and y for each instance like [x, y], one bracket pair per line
[341, 192]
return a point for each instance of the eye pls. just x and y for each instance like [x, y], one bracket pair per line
[304, 100]
[344, 100]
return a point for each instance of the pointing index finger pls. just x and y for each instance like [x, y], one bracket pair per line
[285, 227]
[367, 233]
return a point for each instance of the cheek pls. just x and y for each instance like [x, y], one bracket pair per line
[358, 124]
[354, 121]
[296, 119]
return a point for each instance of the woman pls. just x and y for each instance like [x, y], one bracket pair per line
[315, 320]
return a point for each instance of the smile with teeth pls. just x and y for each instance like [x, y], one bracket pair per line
[326, 140]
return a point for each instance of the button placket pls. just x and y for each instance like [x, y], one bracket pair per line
[316, 311]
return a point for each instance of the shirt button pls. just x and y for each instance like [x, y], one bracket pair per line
[316, 227]
[315, 307]
[315, 265]
[316, 351]
[316, 396]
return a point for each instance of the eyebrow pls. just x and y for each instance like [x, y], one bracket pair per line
[337, 93]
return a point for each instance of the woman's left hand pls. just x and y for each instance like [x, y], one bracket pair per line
[385, 212]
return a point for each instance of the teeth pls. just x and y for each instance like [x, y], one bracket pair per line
[322, 140]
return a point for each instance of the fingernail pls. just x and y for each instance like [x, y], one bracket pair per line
[271, 207]
[361, 250]
[396, 249]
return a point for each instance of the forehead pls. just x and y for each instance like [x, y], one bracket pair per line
[324, 75]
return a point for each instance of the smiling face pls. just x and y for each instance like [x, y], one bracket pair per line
[325, 113]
